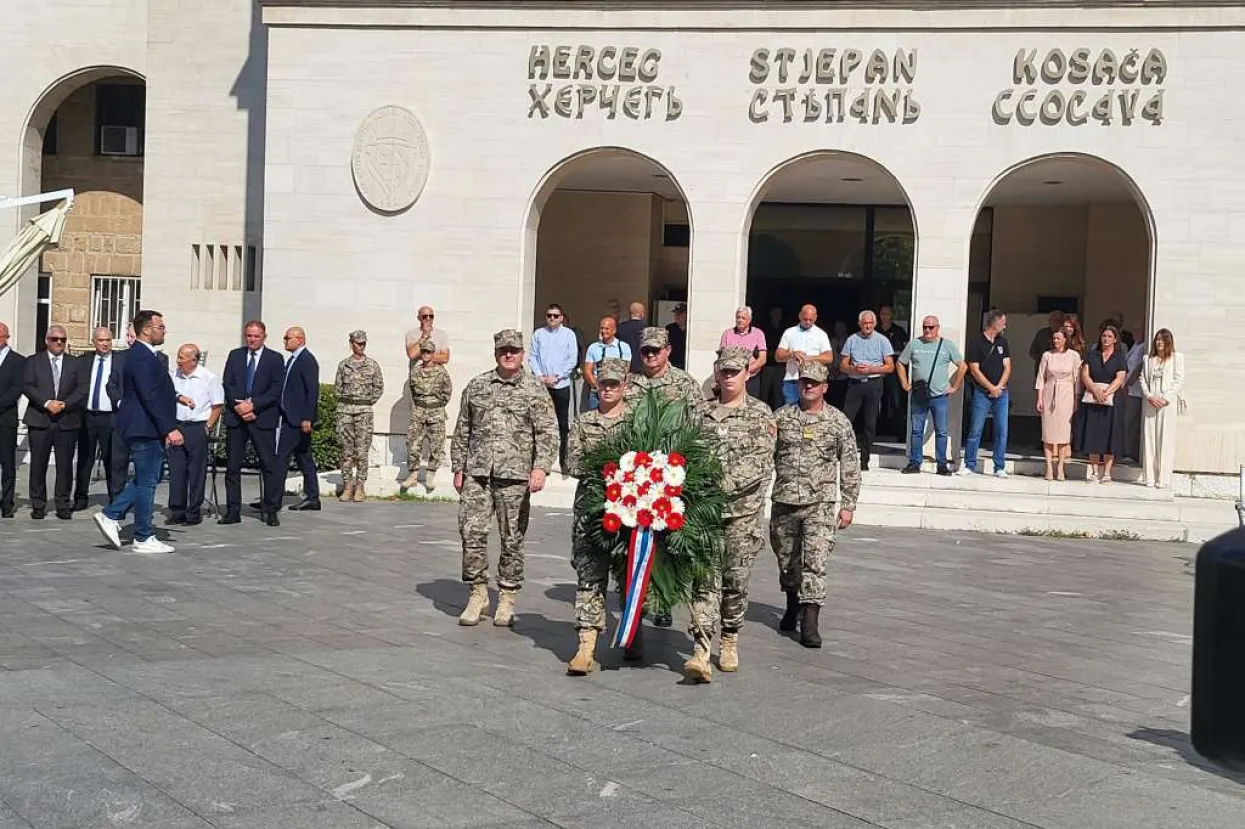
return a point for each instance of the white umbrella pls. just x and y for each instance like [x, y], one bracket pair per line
[43, 231]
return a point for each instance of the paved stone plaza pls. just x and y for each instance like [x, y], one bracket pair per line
[313, 675]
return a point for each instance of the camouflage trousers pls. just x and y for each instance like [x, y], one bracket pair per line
[427, 426]
[354, 434]
[592, 572]
[803, 538]
[481, 500]
[727, 599]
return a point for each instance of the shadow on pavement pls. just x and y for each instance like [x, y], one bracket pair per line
[447, 595]
[1179, 742]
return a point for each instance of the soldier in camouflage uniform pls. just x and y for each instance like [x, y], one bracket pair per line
[743, 430]
[815, 456]
[672, 381]
[430, 393]
[503, 447]
[592, 571]
[359, 384]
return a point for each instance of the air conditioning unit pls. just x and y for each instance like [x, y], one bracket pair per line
[118, 140]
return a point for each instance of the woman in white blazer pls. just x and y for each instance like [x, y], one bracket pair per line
[1162, 375]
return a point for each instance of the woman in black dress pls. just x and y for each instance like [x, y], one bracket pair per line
[1102, 416]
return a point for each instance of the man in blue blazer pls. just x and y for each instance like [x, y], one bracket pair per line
[300, 394]
[253, 378]
[147, 419]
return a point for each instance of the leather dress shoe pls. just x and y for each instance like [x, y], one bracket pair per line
[79, 504]
[8, 513]
[64, 514]
[259, 505]
[229, 519]
[306, 504]
[174, 520]
[38, 513]
[192, 522]
[272, 520]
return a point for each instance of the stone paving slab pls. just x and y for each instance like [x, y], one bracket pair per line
[313, 675]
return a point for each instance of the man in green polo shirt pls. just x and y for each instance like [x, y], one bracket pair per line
[924, 372]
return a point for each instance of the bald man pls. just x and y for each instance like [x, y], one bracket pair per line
[630, 331]
[300, 395]
[802, 343]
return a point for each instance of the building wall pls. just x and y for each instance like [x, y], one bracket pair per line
[1117, 265]
[103, 235]
[1037, 251]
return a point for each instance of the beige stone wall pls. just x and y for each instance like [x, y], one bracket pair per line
[1037, 251]
[104, 233]
[1117, 265]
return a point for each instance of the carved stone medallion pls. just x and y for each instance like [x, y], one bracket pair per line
[390, 159]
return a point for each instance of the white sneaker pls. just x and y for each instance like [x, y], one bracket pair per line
[111, 529]
[1001, 473]
[965, 469]
[152, 546]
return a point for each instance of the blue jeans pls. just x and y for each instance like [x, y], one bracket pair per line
[983, 403]
[593, 401]
[140, 491]
[790, 392]
[916, 440]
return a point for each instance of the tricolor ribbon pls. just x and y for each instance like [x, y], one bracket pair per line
[639, 568]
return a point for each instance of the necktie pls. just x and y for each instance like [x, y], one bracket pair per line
[288, 365]
[250, 373]
[56, 377]
[99, 381]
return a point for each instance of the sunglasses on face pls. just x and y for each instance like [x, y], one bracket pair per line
[929, 327]
[427, 316]
[509, 352]
[553, 316]
[650, 352]
[56, 339]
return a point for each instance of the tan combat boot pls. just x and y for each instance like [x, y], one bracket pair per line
[728, 659]
[430, 480]
[504, 617]
[347, 492]
[412, 479]
[698, 669]
[477, 606]
[360, 494]
[583, 662]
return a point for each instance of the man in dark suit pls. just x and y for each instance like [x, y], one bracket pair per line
[10, 393]
[147, 418]
[300, 394]
[55, 386]
[95, 436]
[252, 380]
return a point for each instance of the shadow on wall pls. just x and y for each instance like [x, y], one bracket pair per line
[251, 91]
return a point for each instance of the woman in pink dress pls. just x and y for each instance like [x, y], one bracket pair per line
[1056, 402]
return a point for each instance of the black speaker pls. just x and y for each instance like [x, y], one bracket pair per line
[1218, 700]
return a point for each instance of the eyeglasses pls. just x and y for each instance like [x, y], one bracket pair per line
[928, 327]
[553, 316]
[509, 352]
[649, 352]
[56, 339]
[427, 316]
[609, 384]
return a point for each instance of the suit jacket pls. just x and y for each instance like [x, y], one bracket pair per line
[265, 389]
[148, 411]
[38, 388]
[115, 387]
[300, 393]
[10, 388]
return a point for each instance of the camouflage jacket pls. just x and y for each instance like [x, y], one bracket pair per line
[359, 385]
[430, 385]
[588, 430]
[675, 383]
[505, 428]
[744, 436]
[815, 454]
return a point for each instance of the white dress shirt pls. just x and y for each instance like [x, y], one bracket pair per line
[105, 403]
[4, 353]
[201, 386]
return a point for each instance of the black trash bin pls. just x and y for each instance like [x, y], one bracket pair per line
[1218, 701]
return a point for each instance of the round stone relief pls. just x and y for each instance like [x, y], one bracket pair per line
[390, 160]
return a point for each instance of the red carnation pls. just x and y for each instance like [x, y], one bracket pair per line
[629, 477]
[613, 492]
[642, 490]
[674, 522]
[629, 501]
[608, 470]
[644, 518]
[656, 476]
[672, 491]
[612, 523]
[675, 459]
[643, 459]
[662, 506]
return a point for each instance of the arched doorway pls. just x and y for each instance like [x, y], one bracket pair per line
[1069, 233]
[87, 132]
[834, 230]
[607, 228]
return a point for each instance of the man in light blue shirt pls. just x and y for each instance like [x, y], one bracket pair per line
[867, 359]
[552, 358]
[608, 346]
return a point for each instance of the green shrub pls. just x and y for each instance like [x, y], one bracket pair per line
[324, 446]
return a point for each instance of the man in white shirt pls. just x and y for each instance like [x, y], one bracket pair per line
[200, 400]
[427, 330]
[800, 344]
[95, 436]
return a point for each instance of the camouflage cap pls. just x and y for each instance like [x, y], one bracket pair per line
[733, 358]
[358, 336]
[613, 369]
[653, 337]
[812, 370]
[427, 345]
[508, 338]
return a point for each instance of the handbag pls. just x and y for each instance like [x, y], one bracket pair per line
[1088, 397]
[920, 388]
